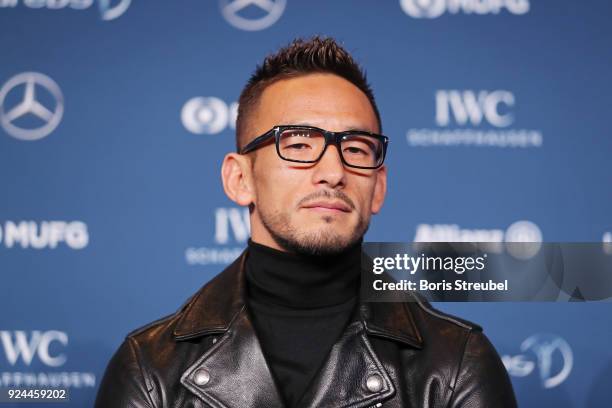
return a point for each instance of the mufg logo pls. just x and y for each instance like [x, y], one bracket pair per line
[109, 9]
[232, 229]
[208, 115]
[548, 356]
[435, 8]
[252, 15]
[44, 234]
[31, 106]
[474, 118]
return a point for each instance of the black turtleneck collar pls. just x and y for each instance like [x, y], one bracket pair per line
[298, 281]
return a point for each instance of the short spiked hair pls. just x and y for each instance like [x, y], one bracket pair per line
[300, 57]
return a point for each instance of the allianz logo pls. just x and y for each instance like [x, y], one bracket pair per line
[520, 231]
[496, 239]
[24, 346]
[109, 9]
[44, 234]
[436, 8]
[547, 356]
[607, 242]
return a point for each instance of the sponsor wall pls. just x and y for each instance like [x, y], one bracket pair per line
[115, 116]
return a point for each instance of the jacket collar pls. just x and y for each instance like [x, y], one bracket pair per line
[236, 362]
[214, 307]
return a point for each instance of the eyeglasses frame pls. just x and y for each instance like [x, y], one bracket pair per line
[330, 138]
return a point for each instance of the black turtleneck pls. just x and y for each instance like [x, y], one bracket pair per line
[299, 305]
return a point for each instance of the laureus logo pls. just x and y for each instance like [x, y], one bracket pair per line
[548, 355]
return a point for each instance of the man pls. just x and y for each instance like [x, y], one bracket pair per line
[284, 325]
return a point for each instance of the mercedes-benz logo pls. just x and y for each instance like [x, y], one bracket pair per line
[234, 11]
[29, 105]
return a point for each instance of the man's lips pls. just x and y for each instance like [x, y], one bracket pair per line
[337, 206]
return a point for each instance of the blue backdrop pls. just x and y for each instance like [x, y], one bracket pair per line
[115, 116]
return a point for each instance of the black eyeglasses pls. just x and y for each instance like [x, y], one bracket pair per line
[307, 144]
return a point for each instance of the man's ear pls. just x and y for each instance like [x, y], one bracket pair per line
[237, 176]
[380, 189]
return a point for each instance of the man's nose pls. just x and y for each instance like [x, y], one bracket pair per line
[330, 169]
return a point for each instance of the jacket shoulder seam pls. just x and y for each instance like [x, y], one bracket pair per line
[453, 384]
[135, 349]
[147, 326]
[470, 326]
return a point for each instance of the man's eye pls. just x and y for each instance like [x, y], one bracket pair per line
[298, 146]
[354, 150]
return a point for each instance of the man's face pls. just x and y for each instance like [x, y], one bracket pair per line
[319, 208]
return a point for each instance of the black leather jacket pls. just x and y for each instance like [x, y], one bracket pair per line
[390, 355]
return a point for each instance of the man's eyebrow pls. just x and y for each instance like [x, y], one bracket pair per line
[350, 127]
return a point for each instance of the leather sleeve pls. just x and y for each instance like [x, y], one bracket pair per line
[124, 384]
[482, 380]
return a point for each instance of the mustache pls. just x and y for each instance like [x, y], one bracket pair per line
[336, 194]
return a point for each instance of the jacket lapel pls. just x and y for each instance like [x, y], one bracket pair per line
[214, 307]
[229, 373]
[236, 373]
[235, 367]
[352, 375]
